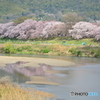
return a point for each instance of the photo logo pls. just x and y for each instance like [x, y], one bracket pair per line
[84, 94]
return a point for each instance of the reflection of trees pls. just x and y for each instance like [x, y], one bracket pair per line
[27, 71]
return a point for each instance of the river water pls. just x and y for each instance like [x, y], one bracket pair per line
[83, 77]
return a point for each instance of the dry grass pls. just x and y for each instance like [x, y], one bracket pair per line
[62, 49]
[59, 48]
[44, 94]
[9, 92]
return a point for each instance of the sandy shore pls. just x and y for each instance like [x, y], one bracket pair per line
[34, 62]
[40, 80]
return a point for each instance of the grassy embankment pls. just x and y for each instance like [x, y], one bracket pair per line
[10, 91]
[52, 47]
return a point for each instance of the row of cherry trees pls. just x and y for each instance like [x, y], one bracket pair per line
[85, 30]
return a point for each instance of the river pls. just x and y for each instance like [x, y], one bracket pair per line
[84, 76]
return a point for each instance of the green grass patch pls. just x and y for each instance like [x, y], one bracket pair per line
[54, 41]
[27, 47]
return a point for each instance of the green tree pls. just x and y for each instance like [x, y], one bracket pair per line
[20, 20]
[71, 18]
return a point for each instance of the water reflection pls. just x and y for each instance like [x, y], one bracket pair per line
[84, 78]
[23, 74]
[27, 71]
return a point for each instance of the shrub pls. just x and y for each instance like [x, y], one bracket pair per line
[78, 53]
[73, 51]
[9, 48]
[92, 52]
[46, 50]
[97, 53]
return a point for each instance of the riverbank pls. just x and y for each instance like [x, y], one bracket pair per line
[34, 62]
[36, 70]
[9, 91]
[79, 48]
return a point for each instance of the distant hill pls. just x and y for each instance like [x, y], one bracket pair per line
[11, 8]
[7, 7]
